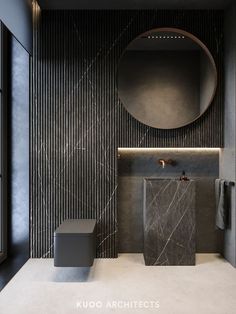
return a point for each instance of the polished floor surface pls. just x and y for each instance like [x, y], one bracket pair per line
[123, 285]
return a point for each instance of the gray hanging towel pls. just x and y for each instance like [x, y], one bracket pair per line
[221, 207]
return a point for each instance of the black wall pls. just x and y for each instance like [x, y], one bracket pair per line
[77, 121]
[17, 154]
[228, 156]
[19, 151]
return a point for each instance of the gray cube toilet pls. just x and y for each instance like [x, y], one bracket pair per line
[75, 243]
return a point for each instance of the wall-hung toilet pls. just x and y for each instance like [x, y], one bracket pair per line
[75, 243]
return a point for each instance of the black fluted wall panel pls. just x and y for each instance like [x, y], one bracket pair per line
[77, 121]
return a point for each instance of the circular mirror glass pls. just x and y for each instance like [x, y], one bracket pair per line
[166, 78]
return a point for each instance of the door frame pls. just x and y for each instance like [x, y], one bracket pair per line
[4, 101]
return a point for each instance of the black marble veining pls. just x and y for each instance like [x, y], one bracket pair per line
[202, 166]
[169, 222]
[78, 122]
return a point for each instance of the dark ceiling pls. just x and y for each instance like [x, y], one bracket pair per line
[133, 4]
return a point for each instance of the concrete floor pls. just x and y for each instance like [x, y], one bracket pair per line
[123, 285]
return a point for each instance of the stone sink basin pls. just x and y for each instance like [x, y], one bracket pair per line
[169, 221]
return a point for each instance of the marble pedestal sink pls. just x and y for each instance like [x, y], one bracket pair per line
[169, 222]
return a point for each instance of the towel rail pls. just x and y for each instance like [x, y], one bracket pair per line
[229, 183]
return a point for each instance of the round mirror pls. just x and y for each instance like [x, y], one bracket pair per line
[166, 78]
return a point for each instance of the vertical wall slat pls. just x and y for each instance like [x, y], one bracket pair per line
[78, 122]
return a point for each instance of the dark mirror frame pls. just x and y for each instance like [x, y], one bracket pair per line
[194, 39]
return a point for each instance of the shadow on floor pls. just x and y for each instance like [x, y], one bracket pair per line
[73, 274]
[9, 268]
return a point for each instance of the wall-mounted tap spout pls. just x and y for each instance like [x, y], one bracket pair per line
[164, 162]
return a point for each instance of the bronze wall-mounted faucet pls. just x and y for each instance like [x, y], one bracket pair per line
[164, 162]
